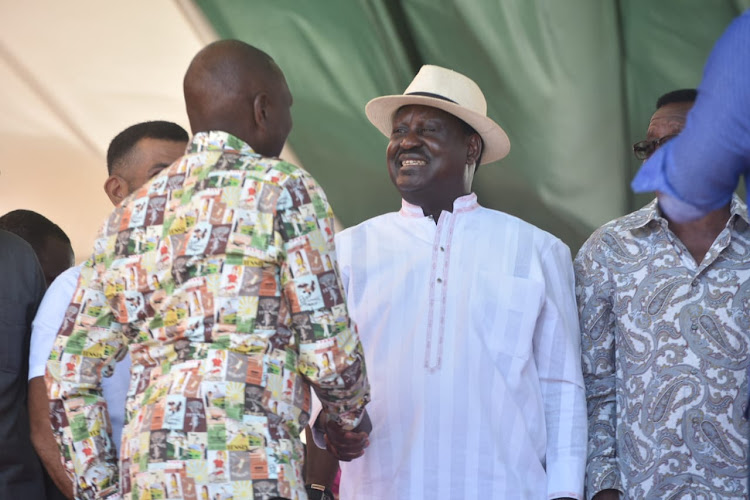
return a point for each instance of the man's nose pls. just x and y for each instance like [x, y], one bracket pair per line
[411, 139]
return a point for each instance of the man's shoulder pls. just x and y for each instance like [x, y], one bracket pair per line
[290, 170]
[266, 169]
[377, 223]
[19, 267]
[292, 178]
[622, 227]
[14, 246]
[64, 286]
[542, 239]
[16, 255]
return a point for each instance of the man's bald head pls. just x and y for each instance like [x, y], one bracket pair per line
[234, 87]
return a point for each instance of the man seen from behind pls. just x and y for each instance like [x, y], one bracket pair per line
[223, 300]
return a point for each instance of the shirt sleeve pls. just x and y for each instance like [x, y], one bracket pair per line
[330, 352]
[594, 297]
[557, 352]
[701, 167]
[49, 317]
[84, 348]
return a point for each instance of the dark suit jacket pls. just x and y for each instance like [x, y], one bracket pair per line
[21, 289]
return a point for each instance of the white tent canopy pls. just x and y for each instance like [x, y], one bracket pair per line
[64, 98]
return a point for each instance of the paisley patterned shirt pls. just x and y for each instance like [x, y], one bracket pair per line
[220, 276]
[665, 354]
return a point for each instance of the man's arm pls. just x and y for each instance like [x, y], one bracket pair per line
[594, 297]
[49, 317]
[558, 357]
[74, 370]
[43, 439]
[330, 353]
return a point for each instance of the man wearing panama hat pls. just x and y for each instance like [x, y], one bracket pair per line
[467, 316]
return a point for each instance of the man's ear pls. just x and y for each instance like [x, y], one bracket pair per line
[116, 188]
[474, 149]
[260, 109]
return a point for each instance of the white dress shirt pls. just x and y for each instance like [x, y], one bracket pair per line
[49, 317]
[472, 344]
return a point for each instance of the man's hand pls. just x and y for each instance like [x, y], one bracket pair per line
[607, 495]
[348, 445]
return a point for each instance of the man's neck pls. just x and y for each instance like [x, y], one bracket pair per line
[700, 234]
[435, 209]
[433, 206]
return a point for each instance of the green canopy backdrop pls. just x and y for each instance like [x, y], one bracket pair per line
[573, 82]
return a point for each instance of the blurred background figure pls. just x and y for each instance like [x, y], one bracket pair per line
[135, 155]
[22, 290]
[50, 243]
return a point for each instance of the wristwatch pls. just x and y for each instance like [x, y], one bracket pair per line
[318, 492]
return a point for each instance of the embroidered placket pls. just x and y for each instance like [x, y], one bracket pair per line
[441, 248]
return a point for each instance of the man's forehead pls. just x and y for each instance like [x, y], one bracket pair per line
[153, 144]
[150, 147]
[672, 111]
[668, 120]
[149, 152]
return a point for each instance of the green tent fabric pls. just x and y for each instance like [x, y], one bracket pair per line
[573, 82]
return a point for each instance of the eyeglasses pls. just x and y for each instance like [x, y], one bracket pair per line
[644, 149]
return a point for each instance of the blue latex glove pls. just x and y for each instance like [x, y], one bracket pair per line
[698, 171]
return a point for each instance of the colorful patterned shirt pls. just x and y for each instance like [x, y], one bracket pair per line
[665, 353]
[220, 277]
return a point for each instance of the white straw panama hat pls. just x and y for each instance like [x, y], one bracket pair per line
[452, 92]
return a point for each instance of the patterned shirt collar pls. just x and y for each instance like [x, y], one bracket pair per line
[651, 212]
[462, 204]
[216, 140]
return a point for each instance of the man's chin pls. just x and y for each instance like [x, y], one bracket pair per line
[406, 188]
[410, 183]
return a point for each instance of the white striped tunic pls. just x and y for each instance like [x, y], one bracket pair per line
[472, 343]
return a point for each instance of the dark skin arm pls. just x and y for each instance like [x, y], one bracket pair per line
[320, 466]
[42, 437]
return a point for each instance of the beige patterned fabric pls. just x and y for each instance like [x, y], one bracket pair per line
[665, 358]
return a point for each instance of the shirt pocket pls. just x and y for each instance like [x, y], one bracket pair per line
[14, 336]
[504, 311]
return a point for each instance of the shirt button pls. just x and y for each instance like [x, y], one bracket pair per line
[442, 249]
[439, 280]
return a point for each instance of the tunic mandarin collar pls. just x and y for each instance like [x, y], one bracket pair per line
[462, 204]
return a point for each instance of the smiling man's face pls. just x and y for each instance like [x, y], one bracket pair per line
[428, 151]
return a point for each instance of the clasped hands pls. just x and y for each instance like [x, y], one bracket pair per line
[345, 445]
